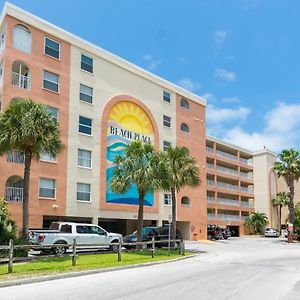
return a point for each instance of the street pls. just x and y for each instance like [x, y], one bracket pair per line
[239, 268]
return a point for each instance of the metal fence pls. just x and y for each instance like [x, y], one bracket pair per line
[147, 246]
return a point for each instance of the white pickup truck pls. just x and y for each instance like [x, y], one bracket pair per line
[63, 233]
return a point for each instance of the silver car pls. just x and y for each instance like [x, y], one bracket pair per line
[271, 232]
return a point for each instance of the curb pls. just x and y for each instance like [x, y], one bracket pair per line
[87, 272]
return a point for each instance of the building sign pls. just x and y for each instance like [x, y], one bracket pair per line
[127, 122]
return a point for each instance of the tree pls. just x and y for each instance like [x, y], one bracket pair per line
[288, 167]
[139, 165]
[282, 199]
[257, 221]
[180, 170]
[27, 126]
[7, 226]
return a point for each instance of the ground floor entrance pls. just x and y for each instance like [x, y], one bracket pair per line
[235, 230]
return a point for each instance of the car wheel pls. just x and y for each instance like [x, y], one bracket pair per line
[209, 237]
[114, 246]
[59, 250]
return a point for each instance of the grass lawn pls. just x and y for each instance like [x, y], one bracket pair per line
[49, 266]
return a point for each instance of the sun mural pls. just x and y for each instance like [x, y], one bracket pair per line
[127, 122]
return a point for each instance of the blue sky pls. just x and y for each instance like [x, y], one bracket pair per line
[242, 56]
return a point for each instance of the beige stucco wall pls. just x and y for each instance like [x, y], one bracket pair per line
[264, 188]
[108, 81]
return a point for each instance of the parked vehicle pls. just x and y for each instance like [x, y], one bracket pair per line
[65, 232]
[214, 233]
[226, 233]
[160, 233]
[271, 232]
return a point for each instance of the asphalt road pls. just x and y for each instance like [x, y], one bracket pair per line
[240, 268]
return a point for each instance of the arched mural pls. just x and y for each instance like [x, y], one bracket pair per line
[127, 122]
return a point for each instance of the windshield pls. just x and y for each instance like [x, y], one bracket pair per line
[146, 230]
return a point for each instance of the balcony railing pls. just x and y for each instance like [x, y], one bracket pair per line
[227, 171]
[226, 155]
[226, 201]
[209, 149]
[248, 189]
[14, 194]
[15, 156]
[227, 186]
[225, 217]
[211, 216]
[210, 199]
[246, 161]
[210, 166]
[247, 204]
[244, 218]
[19, 80]
[211, 182]
[246, 175]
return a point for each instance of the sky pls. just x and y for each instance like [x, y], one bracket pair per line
[242, 56]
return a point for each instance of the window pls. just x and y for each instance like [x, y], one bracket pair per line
[51, 81]
[85, 125]
[86, 93]
[84, 158]
[184, 103]
[185, 201]
[47, 188]
[184, 128]
[22, 38]
[53, 111]
[87, 63]
[167, 121]
[2, 40]
[166, 145]
[167, 199]
[83, 192]
[47, 157]
[83, 229]
[97, 230]
[52, 48]
[167, 96]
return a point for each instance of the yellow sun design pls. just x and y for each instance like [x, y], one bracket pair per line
[131, 117]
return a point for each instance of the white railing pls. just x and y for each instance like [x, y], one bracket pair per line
[227, 155]
[227, 186]
[226, 217]
[246, 161]
[210, 182]
[247, 189]
[15, 156]
[19, 80]
[211, 216]
[209, 149]
[246, 175]
[244, 217]
[210, 199]
[226, 201]
[227, 171]
[247, 204]
[210, 166]
[14, 194]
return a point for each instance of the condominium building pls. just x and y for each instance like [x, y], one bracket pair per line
[102, 103]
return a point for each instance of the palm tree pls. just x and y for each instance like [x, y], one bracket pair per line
[288, 167]
[138, 166]
[26, 126]
[180, 170]
[282, 199]
[257, 220]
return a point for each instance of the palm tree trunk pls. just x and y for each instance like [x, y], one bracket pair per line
[173, 235]
[140, 217]
[291, 208]
[280, 208]
[28, 158]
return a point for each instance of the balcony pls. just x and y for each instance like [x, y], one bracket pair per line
[230, 202]
[210, 166]
[246, 161]
[15, 156]
[227, 171]
[226, 155]
[20, 81]
[210, 199]
[209, 150]
[246, 175]
[211, 182]
[244, 218]
[247, 204]
[211, 216]
[227, 217]
[227, 186]
[14, 194]
[248, 189]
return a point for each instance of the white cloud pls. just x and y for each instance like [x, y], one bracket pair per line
[225, 74]
[216, 115]
[189, 84]
[151, 62]
[220, 37]
[281, 129]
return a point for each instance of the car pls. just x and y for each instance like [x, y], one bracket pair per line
[160, 233]
[226, 233]
[271, 232]
[214, 233]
